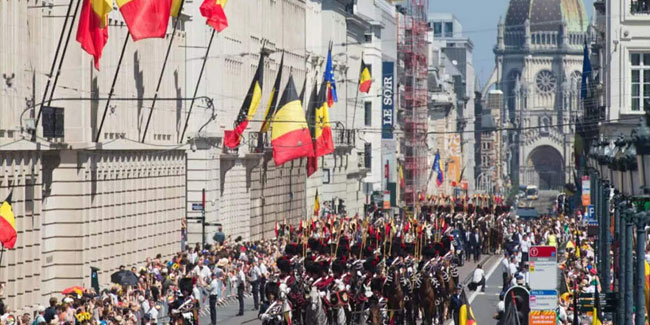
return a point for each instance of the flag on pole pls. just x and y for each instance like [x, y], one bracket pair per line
[232, 138]
[213, 11]
[92, 31]
[402, 182]
[316, 205]
[176, 8]
[146, 18]
[273, 99]
[8, 232]
[324, 144]
[586, 72]
[329, 79]
[436, 168]
[595, 320]
[312, 161]
[465, 315]
[646, 287]
[365, 78]
[290, 136]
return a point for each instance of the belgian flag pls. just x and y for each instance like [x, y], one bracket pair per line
[365, 78]
[596, 317]
[273, 99]
[290, 136]
[324, 144]
[8, 233]
[92, 31]
[465, 315]
[232, 138]
[312, 161]
[316, 204]
[148, 18]
[213, 11]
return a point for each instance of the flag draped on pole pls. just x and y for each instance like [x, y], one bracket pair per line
[92, 31]
[595, 320]
[322, 130]
[402, 182]
[213, 11]
[232, 138]
[8, 233]
[273, 99]
[586, 72]
[290, 135]
[316, 205]
[436, 168]
[146, 18]
[365, 78]
[329, 79]
[465, 315]
[312, 161]
[646, 287]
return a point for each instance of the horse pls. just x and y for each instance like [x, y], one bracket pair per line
[394, 292]
[425, 293]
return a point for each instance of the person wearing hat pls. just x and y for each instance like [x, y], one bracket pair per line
[40, 316]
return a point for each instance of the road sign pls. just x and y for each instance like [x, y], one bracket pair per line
[197, 207]
[542, 267]
[590, 216]
[543, 299]
[542, 317]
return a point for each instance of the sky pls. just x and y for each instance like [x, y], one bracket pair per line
[479, 19]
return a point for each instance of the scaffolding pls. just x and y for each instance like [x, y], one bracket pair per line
[413, 58]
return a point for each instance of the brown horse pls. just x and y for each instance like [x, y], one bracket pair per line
[395, 294]
[425, 294]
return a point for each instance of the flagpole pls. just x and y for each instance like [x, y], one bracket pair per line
[2, 252]
[112, 91]
[196, 89]
[356, 97]
[56, 57]
[162, 71]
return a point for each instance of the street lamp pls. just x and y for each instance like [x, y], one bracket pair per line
[602, 157]
[641, 139]
[614, 159]
[630, 161]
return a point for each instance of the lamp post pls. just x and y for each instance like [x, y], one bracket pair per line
[640, 144]
[628, 216]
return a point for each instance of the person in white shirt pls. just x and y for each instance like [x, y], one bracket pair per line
[505, 268]
[213, 289]
[241, 280]
[478, 279]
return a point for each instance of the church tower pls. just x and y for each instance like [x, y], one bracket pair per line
[539, 54]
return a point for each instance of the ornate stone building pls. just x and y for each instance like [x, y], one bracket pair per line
[539, 56]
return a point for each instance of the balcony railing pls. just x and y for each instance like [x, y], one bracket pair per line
[640, 7]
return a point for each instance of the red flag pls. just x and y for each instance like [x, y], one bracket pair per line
[276, 229]
[92, 31]
[213, 11]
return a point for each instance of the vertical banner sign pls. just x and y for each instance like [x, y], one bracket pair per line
[542, 267]
[586, 191]
[387, 99]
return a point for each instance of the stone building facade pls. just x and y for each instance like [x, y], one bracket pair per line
[539, 56]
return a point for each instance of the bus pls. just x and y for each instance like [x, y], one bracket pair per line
[531, 192]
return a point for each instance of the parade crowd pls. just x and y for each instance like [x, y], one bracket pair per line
[340, 270]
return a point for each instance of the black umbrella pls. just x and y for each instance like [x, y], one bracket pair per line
[125, 278]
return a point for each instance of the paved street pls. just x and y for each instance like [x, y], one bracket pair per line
[226, 314]
[484, 304]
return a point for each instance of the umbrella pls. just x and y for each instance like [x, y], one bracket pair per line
[124, 277]
[73, 290]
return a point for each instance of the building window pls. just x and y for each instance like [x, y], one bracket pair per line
[367, 37]
[486, 146]
[449, 29]
[367, 108]
[326, 176]
[29, 198]
[640, 7]
[437, 29]
[367, 155]
[485, 161]
[640, 81]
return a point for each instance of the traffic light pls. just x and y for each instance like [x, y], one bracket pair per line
[517, 298]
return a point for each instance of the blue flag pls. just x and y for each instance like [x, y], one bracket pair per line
[329, 79]
[586, 72]
[436, 167]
